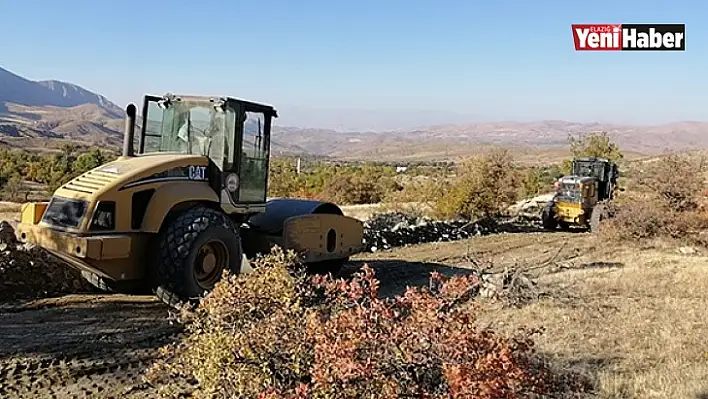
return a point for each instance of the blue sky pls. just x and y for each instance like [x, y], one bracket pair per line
[377, 64]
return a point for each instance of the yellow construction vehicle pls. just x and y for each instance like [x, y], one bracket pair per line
[188, 204]
[581, 197]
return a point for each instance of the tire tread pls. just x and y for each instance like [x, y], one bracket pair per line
[175, 244]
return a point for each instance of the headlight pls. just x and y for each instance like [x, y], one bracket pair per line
[104, 216]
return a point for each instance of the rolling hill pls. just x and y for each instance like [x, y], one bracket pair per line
[33, 111]
[42, 114]
[50, 93]
[449, 142]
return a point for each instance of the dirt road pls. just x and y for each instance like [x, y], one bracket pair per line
[79, 346]
[99, 345]
[632, 321]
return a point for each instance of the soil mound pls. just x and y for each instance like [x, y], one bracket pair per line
[30, 272]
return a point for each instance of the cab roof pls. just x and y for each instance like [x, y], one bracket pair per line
[259, 107]
[592, 159]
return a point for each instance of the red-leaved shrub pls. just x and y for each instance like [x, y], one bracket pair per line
[278, 333]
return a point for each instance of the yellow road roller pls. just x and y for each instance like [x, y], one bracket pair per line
[186, 200]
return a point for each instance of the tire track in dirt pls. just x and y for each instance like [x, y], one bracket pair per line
[81, 346]
[98, 374]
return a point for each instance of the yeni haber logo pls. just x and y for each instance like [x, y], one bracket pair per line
[629, 37]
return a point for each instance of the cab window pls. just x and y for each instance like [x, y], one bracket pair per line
[254, 159]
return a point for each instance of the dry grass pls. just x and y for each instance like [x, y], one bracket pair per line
[638, 330]
[10, 207]
[667, 201]
[10, 212]
[365, 211]
[632, 321]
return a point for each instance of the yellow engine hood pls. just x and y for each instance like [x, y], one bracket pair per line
[126, 170]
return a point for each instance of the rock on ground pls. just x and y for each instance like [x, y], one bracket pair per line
[531, 206]
[396, 229]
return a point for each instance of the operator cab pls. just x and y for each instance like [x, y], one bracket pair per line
[603, 170]
[591, 180]
[234, 134]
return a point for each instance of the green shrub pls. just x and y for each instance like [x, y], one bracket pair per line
[277, 333]
[598, 145]
[418, 197]
[540, 179]
[52, 170]
[485, 186]
[351, 184]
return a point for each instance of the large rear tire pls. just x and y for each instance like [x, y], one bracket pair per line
[195, 247]
[599, 213]
[548, 216]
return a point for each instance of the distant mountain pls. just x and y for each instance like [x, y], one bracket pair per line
[38, 113]
[44, 114]
[449, 142]
[77, 95]
[31, 110]
[18, 90]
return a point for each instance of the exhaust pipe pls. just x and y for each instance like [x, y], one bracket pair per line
[129, 130]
